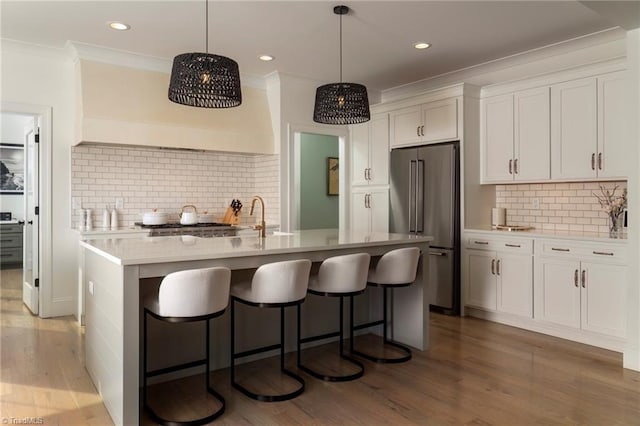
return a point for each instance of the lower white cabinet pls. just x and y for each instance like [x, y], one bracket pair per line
[583, 287]
[370, 209]
[500, 275]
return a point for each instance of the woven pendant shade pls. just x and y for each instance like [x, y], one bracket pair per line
[205, 80]
[341, 103]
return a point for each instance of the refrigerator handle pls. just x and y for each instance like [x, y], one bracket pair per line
[420, 197]
[412, 195]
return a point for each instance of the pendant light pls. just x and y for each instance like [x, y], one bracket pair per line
[205, 80]
[341, 103]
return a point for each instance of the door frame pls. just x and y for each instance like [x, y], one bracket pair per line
[288, 183]
[44, 114]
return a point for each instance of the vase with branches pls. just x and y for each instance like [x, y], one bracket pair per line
[614, 205]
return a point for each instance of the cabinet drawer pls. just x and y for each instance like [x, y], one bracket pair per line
[586, 251]
[9, 228]
[11, 255]
[9, 240]
[513, 245]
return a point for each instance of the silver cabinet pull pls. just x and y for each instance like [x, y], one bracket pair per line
[368, 201]
[510, 167]
[365, 174]
[599, 161]
[481, 242]
[418, 131]
[498, 267]
[493, 266]
[560, 249]
[515, 166]
[513, 245]
[584, 283]
[593, 161]
[422, 130]
[603, 253]
[435, 253]
[575, 278]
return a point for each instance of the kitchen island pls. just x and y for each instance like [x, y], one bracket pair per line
[114, 269]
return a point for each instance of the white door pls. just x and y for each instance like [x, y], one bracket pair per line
[573, 129]
[379, 149]
[557, 292]
[532, 147]
[359, 153]
[497, 139]
[614, 125]
[404, 126]
[482, 279]
[604, 290]
[515, 284]
[31, 230]
[360, 213]
[440, 121]
[379, 209]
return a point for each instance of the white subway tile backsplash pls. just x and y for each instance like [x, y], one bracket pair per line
[563, 206]
[148, 178]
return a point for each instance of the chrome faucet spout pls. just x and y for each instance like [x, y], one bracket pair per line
[261, 227]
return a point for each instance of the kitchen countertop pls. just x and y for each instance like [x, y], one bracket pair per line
[148, 250]
[104, 231]
[565, 235]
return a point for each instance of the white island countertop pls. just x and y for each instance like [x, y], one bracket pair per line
[146, 250]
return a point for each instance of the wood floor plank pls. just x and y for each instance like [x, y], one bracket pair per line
[475, 373]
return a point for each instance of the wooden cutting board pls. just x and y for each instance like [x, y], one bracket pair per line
[231, 218]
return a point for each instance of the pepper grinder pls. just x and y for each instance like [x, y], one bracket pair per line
[81, 221]
[89, 222]
[114, 219]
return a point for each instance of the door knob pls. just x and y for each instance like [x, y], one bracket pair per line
[30, 222]
[21, 222]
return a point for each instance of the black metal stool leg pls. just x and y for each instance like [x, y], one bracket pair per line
[407, 352]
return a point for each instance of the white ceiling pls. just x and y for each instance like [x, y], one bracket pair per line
[303, 35]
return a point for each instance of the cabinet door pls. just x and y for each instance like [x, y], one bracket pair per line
[614, 121]
[359, 153]
[440, 121]
[379, 149]
[573, 129]
[532, 147]
[404, 126]
[604, 298]
[360, 215]
[497, 139]
[379, 210]
[515, 284]
[481, 287]
[557, 291]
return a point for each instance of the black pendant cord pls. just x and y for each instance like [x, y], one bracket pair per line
[340, 48]
[206, 20]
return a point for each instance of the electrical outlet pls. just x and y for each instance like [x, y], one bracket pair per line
[535, 203]
[119, 203]
[76, 203]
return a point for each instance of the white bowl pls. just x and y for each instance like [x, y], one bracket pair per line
[154, 218]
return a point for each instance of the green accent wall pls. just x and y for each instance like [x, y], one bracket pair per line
[317, 209]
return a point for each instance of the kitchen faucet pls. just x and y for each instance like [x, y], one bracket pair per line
[261, 227]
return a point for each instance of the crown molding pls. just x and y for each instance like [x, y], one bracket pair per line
[20, 47]
[123, 58]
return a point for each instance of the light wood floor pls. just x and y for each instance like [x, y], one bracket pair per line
[476, 373]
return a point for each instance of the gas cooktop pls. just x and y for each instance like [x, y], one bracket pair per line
[179, 225]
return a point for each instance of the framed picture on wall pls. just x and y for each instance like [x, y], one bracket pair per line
[11, 169]
[333, 182]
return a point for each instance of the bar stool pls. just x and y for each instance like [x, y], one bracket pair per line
[338, 276]
[397, 268]
[274, 285]
[188, 296]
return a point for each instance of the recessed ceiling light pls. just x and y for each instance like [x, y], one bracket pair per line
[266, 58]
[422, 45]
[120, 26]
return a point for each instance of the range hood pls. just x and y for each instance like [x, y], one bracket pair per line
[129, 106]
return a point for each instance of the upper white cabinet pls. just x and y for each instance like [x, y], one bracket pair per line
[430, 122]
[590, 128]
[515, 137]
[370, 151]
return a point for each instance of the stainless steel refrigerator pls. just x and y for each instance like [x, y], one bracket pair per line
[425, 199]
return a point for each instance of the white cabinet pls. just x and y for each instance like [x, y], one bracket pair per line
[499, 274]
[430, 122]
[370, 209]
[582, 286]
[370, 151]
[590, 128]
[515, 137]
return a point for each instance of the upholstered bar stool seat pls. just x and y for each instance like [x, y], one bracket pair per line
[187, 296]
[397, 268]
[338, 276]
[274, 285]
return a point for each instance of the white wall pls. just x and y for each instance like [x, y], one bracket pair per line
[44, 77]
